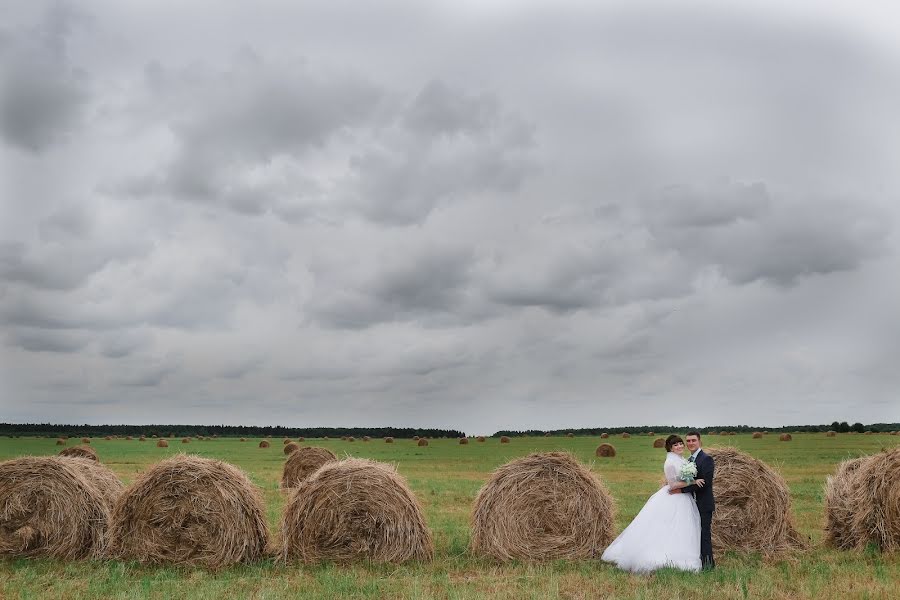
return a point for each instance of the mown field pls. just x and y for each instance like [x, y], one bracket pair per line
[446, 477]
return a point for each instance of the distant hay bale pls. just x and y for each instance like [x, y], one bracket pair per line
[480, 438]
[107, 437]
[388, 440]
[154, 435]
[142, 438]
[757, 435]
[416, 438]
[831, 434]
[650, 434]
[355, 509]
[291, 447]
[351, 438]
[463, 441]
[753, 506]
[287, 441]
[723, 433]
[422, 442]
[547, 434]
[264, 444]
[876, 502]
[85, 440]
[162, 443]
[128, 438]
[301, 439]
[626, 435]
[543, 506]
[302, 463]
[659, 443]
[840, 505]
[80, 452]
[868, 433]
[607, 450]
[785, 437]
[604, 436]
[52, 506]
[366, 438]
[186, 440]
[60, 442]
[570, 434]
[242, 440]
[188, 510]
[504, 439]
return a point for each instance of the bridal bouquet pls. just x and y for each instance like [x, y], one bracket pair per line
[688, 472]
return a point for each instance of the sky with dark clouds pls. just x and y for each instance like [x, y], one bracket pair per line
[475, 215]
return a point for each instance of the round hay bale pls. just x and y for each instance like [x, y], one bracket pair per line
[867, 433]
[604, 436]
[154, 435]
[608, 450]
[264, 444]
[757, 435]
[171, 435]
[723, 433]
[753, 506]
[626, 435]
[785, 437]
[142, 438]
[570, 435]
[415, 438]
[162, 443]
[52, 506]
[287, 441]
[422, 442]
[388, 440]
[291, 447]
[351, 439]
[543, 506]
[128, 437]
[547, 434]
[188, 510]
[876, 501]
[830, 433]
[301, 439]
[504, 439]
[659, 443]
[366, 438]
[463, 441]
[355, 509]
[302, 463]
[840, 505]
[107, 438]
[480, 438]
[186, 440]
[650, 434]
[242, 440]
[80, 452]
[60, 442]
[85, 440]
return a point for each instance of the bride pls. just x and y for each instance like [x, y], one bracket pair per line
[666, 533]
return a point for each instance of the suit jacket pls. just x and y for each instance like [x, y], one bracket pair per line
[704, 497]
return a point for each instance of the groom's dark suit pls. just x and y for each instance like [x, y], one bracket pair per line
[706, 504]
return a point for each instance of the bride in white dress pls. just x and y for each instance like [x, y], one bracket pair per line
[666, 533]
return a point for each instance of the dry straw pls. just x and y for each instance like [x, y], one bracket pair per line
[302, 463]
[753, 506]
[188, 510]
[162, 444]
[504, 439]
[85, 440]
[291, 447]
[186, 440]
[80, 452]
[605, 451]
[287, 441]
[480, 438]
[785, 437]
[570, 434]
[604, 436]
[463, 441]
[422, 442]
[757, 435]
[366, 438]
[874, 499]
[626, 435]
[264, 444]
[543, 506]
[55, 506]
[840, 505]
[659, 443]
[60, 442]
[351, 510]
[388, 440]
[831, 434]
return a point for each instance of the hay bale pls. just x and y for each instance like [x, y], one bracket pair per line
[608, 450]
[351, 438]
[415, 438]
[264, 444]
[291, 447]
[753, 506]
[463, 441]
[107, 438]
[868, 433]
[366, 438]
[287, 441]
[188, 510]
[355, 509]
[875, 498]
[85, 440]
[570, 435]
[785, 437]
[840, 505]
[659, 443]
[242, 440]
[604, 436]
[543, 506]
[142, 438]
[650, 434]
[547, 434]
[480, 438]
[830, 433]
[723, 433]
[626, 435]
[162, 443]
[504, 439]
[422, 442]
[302, 463]
[301, 439]
[388, 440]
[186, 440]
[757, 435]
[60, 442]
[52, 506]
[80, 452]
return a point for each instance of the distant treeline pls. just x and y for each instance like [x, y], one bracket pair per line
[840, 427]
[275, 431]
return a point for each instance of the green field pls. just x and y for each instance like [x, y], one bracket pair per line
[446, 477]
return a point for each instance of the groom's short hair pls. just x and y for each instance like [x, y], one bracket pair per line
[694, 433]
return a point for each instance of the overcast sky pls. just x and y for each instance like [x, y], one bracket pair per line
[530, 215]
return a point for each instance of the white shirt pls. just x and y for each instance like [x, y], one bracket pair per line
[694, 454]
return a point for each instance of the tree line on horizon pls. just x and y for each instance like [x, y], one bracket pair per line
[840, 427]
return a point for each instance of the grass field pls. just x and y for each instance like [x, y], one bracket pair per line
[446, 477]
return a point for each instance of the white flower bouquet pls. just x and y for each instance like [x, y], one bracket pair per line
[688, 472]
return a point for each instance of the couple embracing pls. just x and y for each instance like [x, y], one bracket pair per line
[673, 527]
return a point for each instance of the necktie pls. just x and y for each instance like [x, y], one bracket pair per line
[692, 458]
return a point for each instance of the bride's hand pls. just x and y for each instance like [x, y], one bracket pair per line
[699, 482]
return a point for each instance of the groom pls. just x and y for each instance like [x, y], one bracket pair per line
[704, 497]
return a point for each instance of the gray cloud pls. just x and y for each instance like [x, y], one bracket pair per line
[39, 340]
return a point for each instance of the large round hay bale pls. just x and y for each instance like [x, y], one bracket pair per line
[753, 505]
[626, 435]
[650, 434]
[355, 509]
[107, 438]
[189, 510]
[264, 444]
[659, 443]
[830, 433]
[480, 438]
[785, 437]
[302, 463]
[242, 440]
[291, 447]
[366, 438]
[301, 439]
[876, 502]
[162, 443]
[55, 506]
[605, 450]
[757, 435]
[85, 440]
[868, 432]
[60, 442]
[143, 438]
[186, 440]
[840, 505]
[350, 438]
[80, 452]
[570, 435]
[543, 506]
[422, 442]
[388, 440]
[504, 439]
[604, 436]
[463, 441]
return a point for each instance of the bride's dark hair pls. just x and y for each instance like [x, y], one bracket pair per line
[671, 441]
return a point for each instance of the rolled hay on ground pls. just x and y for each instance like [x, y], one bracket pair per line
[242, 440]
[107, 438]
[162, 443]
[840, 505]
[388, 440]
[868, 433]
[188, 510]
[301, 439]
[659, 443]
[422, 442]
[543, 506]
[291, 447]
[607, 450]
[570, 435]
[351, 438]
[186, 440]
[650, 434]
[723, 433]
[876, 501]
[604, 436]
[55, 506]
[355, 509]
[60, 442]
[463, 441]
[143, 438]
[830, 433]
[753, 506]
[287, 441]
[366, 438]
[480, 438]
[504, 439]
[415, 438]
[757, 435]
[302, 463]
[785, 437]
[264, 444]
[626, 435]
[80, 452]
[128, 438]
[85, 440]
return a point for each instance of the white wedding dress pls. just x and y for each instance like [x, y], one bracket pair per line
[666, 533]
